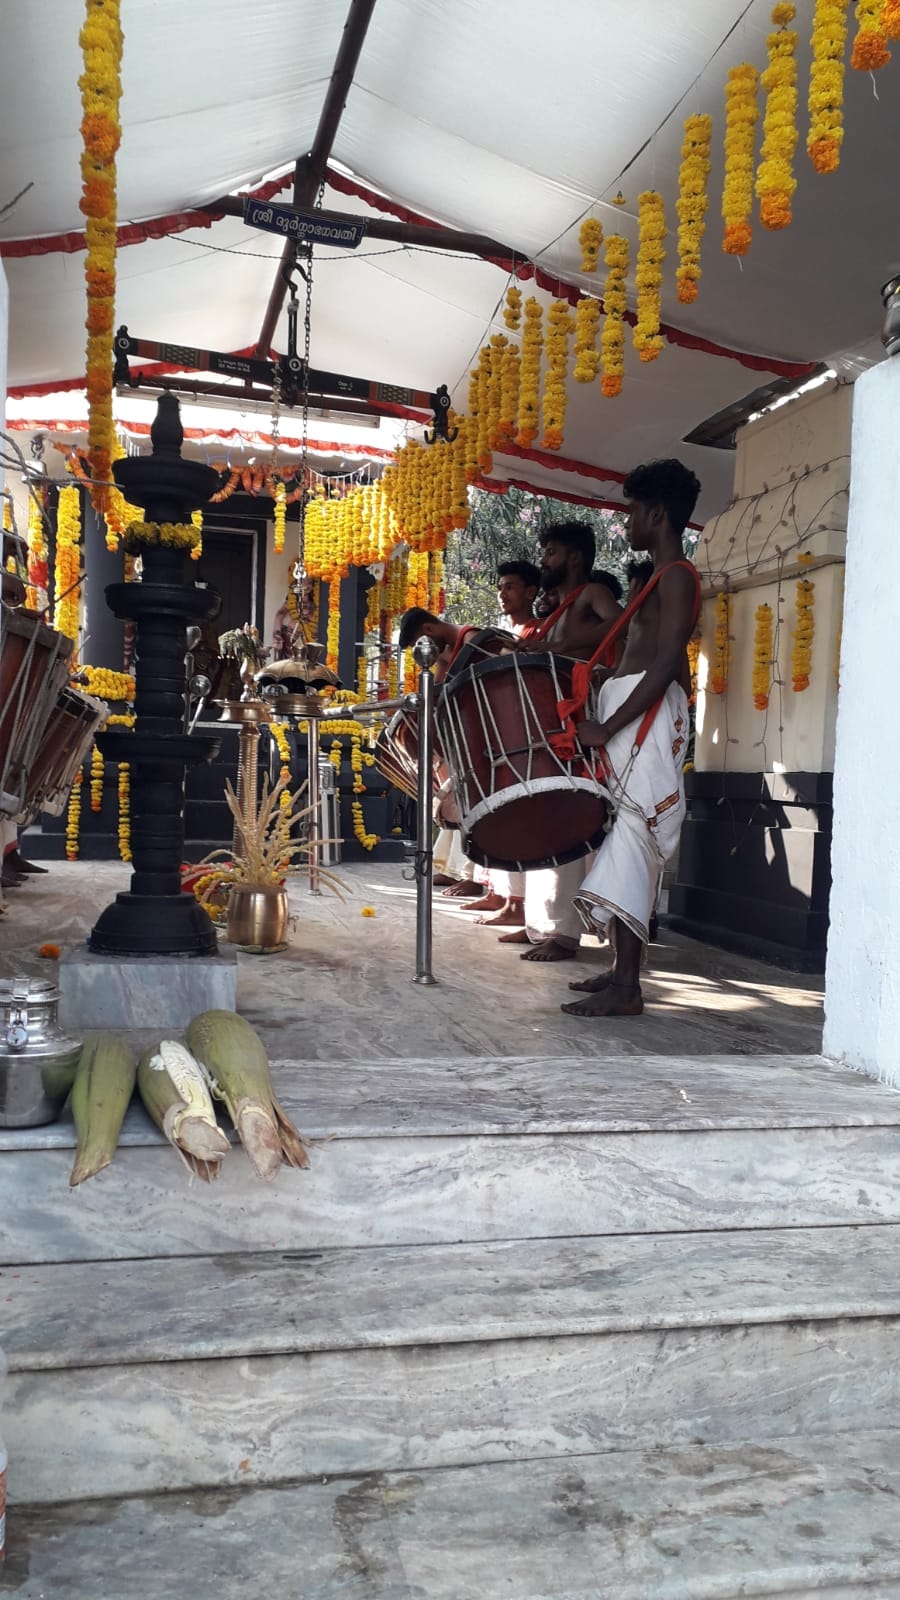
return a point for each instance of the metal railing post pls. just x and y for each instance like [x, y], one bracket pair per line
[425, 654]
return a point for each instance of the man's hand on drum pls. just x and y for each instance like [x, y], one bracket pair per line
[591, 735]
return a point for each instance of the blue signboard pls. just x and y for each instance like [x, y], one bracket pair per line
[308, 226]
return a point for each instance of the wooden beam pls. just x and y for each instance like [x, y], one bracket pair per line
[416, 234]
[258, 397]
[310, 170]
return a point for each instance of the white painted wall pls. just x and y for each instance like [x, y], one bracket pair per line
[862, 983]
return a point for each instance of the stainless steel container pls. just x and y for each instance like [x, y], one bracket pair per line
[37, 1059]
[330, 829]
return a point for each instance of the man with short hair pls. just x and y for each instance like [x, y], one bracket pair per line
[418, 623]
[641, 732]
[584, 613]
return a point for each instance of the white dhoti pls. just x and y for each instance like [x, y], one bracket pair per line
[646, 793]
[448, 857]
[550, 911]
[508, 885]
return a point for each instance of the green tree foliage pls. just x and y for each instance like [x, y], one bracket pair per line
[505, 527]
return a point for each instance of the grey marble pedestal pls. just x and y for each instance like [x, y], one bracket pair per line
[105, 991]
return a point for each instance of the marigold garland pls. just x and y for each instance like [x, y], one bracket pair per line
[801, 659]
[279, 735]
[694, 646]
[38, 574]
[870, 48]
[73, 817]
[741, 118]
[67, 571]
[587, 326]
[612, 339]
[721, 657]
[762, 657]
[106, 684]
[890, 19]
[648, 341]
[96, 779]
[171, 535]
[124, 811]
[512, 311]
[590, 238]
[509, 396]
[693, 202]
[775, 181]
[279, 518]
[197, 522]
[530, 374]
[334, 628]
[101, 45]
[826, 84]
[560, 323]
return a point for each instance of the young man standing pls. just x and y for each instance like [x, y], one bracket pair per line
[585, 612]
[643, 776]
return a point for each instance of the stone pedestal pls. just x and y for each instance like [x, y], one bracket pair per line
[159, 992]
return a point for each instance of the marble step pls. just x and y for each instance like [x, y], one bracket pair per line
[795, 1517]
[138, 1377]
[444, 1151]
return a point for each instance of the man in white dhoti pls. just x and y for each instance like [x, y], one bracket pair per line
[640, 734]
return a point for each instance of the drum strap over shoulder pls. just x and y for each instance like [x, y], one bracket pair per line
[565, 743]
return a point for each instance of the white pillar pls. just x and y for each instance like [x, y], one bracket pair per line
[862, 984]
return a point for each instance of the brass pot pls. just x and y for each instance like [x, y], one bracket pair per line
[257, 919]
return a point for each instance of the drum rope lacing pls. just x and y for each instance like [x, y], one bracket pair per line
[28, 721]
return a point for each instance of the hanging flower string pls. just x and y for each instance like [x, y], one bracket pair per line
[692, 203]
[279, 518]
[106, 684]
[801, 660]
[512, 310]
[560, 323]
[590, 238]
[870, 47]
[96, 779]
[101, 46]
[775, 181]
[762, 657]
[612, 339]
[890, 19]
[73, 818]
[587, 327]
[197, 522]
[741, 118]
[721, 659]
[693, 654]
[648, 275]
[124, 811]
[171, 535]
[530, 374]
[826, 85]
[334, 627]
[38, 573]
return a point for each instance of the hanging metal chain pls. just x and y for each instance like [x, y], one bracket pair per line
[304, 428]
[276, 420]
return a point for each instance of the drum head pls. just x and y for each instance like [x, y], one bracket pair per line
[516, 838]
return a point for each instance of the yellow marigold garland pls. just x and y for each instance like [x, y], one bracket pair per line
[762, 657]
[721, 657]
[587, 326]
[870, 48]
[801, 660]
[775, 181]
[530, 374]
[590, 238]
[278, 732]
[648, 341]
[826, 85]
[197, 522]
[612, 339]
[509, 396]
[692, 203]
[279, 517]
[100, 85]
[693, 654]
[741, 117]
[124, 811]
[172, 535]
[67, 572]
[73, 817]
[417, 580]
[96, 780]
[560, 323]
[334, 628]
[36, 591]
[512, 311]
[106, 684]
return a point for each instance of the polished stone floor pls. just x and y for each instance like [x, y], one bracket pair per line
[343, 987]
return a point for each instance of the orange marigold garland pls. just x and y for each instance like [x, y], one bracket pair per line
[692, 203]
[693, 655]
[38, 571]
[762, 657]
[590, 238]
[530, 374]
[560, 323]
[334, 626]
[67, 572]
[612, 339]
[801, 661]
[648, 341]
[870, 47]
[890, 19]
[775, 181]
[741, 118]
[826, 84]
[101, 88]
[587, 326]
[73, 817]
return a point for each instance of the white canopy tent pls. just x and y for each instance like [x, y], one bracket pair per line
[512, 120]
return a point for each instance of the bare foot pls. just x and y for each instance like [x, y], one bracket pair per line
[458, 891]
[441, 881]
[594, 985]
[521, 937]
[508, 917]
[616, 1000]
[488, 902]
[550, 950]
